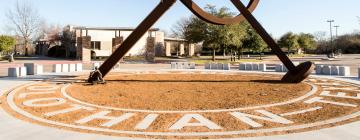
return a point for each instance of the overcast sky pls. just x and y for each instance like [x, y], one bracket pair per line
[278, 16]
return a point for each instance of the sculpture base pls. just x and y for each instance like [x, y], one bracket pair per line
[300, 73]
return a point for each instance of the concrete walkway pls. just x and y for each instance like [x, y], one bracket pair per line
[15, 129]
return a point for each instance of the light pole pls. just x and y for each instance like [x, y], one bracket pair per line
[336, 29]
[331, 36]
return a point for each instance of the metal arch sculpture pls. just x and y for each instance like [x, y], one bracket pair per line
[296, 74]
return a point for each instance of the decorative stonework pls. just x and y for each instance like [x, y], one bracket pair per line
[328, 103]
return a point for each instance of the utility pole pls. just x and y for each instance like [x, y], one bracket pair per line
[331, 35]
[336, 29]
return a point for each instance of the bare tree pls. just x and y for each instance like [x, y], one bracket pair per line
[178, 30]
[25, 22]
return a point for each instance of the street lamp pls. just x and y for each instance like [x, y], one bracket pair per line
[331, 36]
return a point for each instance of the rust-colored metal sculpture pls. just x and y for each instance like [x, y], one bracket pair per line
[295, 74]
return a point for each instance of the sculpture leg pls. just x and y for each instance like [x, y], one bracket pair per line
[144, 26]
[295, 74]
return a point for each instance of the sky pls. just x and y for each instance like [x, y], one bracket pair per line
[277, 16]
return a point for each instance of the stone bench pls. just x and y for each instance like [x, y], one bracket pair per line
[63, 68]
[79, 67]
[217, 66]
[333, 70]
[182, 65]
[252, 66]
[17, 72]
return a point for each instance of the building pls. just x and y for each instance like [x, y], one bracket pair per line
[86, 43]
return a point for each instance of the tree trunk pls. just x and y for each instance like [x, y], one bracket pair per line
[213, 56]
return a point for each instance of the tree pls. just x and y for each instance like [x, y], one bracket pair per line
[289, 41]
[25, 22]
[6, 43]
[254, 42]
[306, 41]
[213, 37]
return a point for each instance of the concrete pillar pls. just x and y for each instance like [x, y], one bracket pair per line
[168, 49]
[116, 42]
[191, 49]
[13, 72]
[150, 49]
[182, 50]
[84, 48]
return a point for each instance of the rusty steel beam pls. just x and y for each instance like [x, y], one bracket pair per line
[144, 26]
[295, 74]
[196, 10]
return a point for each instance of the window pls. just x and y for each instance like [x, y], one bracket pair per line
[96, 45]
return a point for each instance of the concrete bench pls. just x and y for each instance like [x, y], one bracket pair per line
[13, 72]
[344, 71]
[79, 67]
[57, 68]
[183, 65]
[318, 69]
[217, 66]
[72, 67]
[242, 66]
[326, 70]
[64, 67]
[252, 67]
[34, 69]
[334, 70]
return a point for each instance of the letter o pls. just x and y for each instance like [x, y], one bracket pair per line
[54, 102]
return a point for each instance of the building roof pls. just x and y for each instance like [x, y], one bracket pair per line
[110, 28]
[174, 39]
